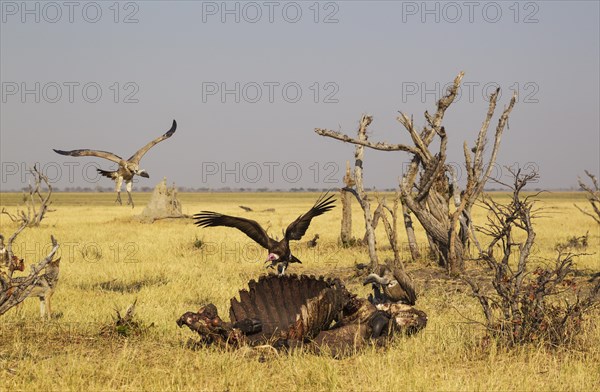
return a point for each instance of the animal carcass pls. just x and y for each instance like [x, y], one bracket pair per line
[294, 310]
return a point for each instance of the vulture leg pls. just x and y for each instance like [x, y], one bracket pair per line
[130, 199]
[118, 184]
[281, 268]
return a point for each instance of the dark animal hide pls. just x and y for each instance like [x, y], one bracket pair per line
[292, 310]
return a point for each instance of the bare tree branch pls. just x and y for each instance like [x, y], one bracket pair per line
[593, 196]
[365, 143]
[12, 217]
[36, 203]
[9, 252]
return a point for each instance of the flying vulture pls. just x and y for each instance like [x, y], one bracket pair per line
[280, 253]
[127, 168]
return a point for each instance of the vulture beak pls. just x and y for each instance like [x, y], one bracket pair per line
[272, 258]
[143, 173]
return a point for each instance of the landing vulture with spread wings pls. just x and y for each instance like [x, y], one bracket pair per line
[127, 168]
[280, 253]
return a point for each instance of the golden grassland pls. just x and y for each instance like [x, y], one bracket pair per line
[110, 260]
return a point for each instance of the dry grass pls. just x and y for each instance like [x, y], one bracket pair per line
[109, 260]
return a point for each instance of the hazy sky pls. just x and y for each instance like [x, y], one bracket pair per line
[248, 82]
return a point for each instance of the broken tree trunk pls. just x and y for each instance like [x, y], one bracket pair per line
[346, 229]
[377, 215]
[363, 198]
[391, 229]
[413, 246]
[346, 198]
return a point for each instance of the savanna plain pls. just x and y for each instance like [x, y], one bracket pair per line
[110, 260]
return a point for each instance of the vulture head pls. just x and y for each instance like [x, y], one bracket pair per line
[273, 257]
[143, 173]
[396, 285]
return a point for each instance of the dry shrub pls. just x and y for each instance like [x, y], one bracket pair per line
[545, 305]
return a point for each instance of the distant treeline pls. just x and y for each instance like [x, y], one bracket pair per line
[79, 189]
[226, 189]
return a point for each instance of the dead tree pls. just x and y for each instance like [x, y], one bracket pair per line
[429, 186]
[13, 292]
[520, 309]
[346, 198]
[371, 221]
[361, 194]
[593, 196]
[377, 215]
[413, 246]
[36, 201]
[391, 229]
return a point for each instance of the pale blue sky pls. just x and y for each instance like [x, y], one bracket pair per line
[368, 61]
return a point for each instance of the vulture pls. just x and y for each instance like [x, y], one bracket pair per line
[312, 243]
[280, 253]
[127, 168]
[395, 284]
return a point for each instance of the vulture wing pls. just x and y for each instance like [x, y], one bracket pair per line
[135, 158]
[109, 174]
[408, 293]
[91, 153]
[249, 227]
[298, 228]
